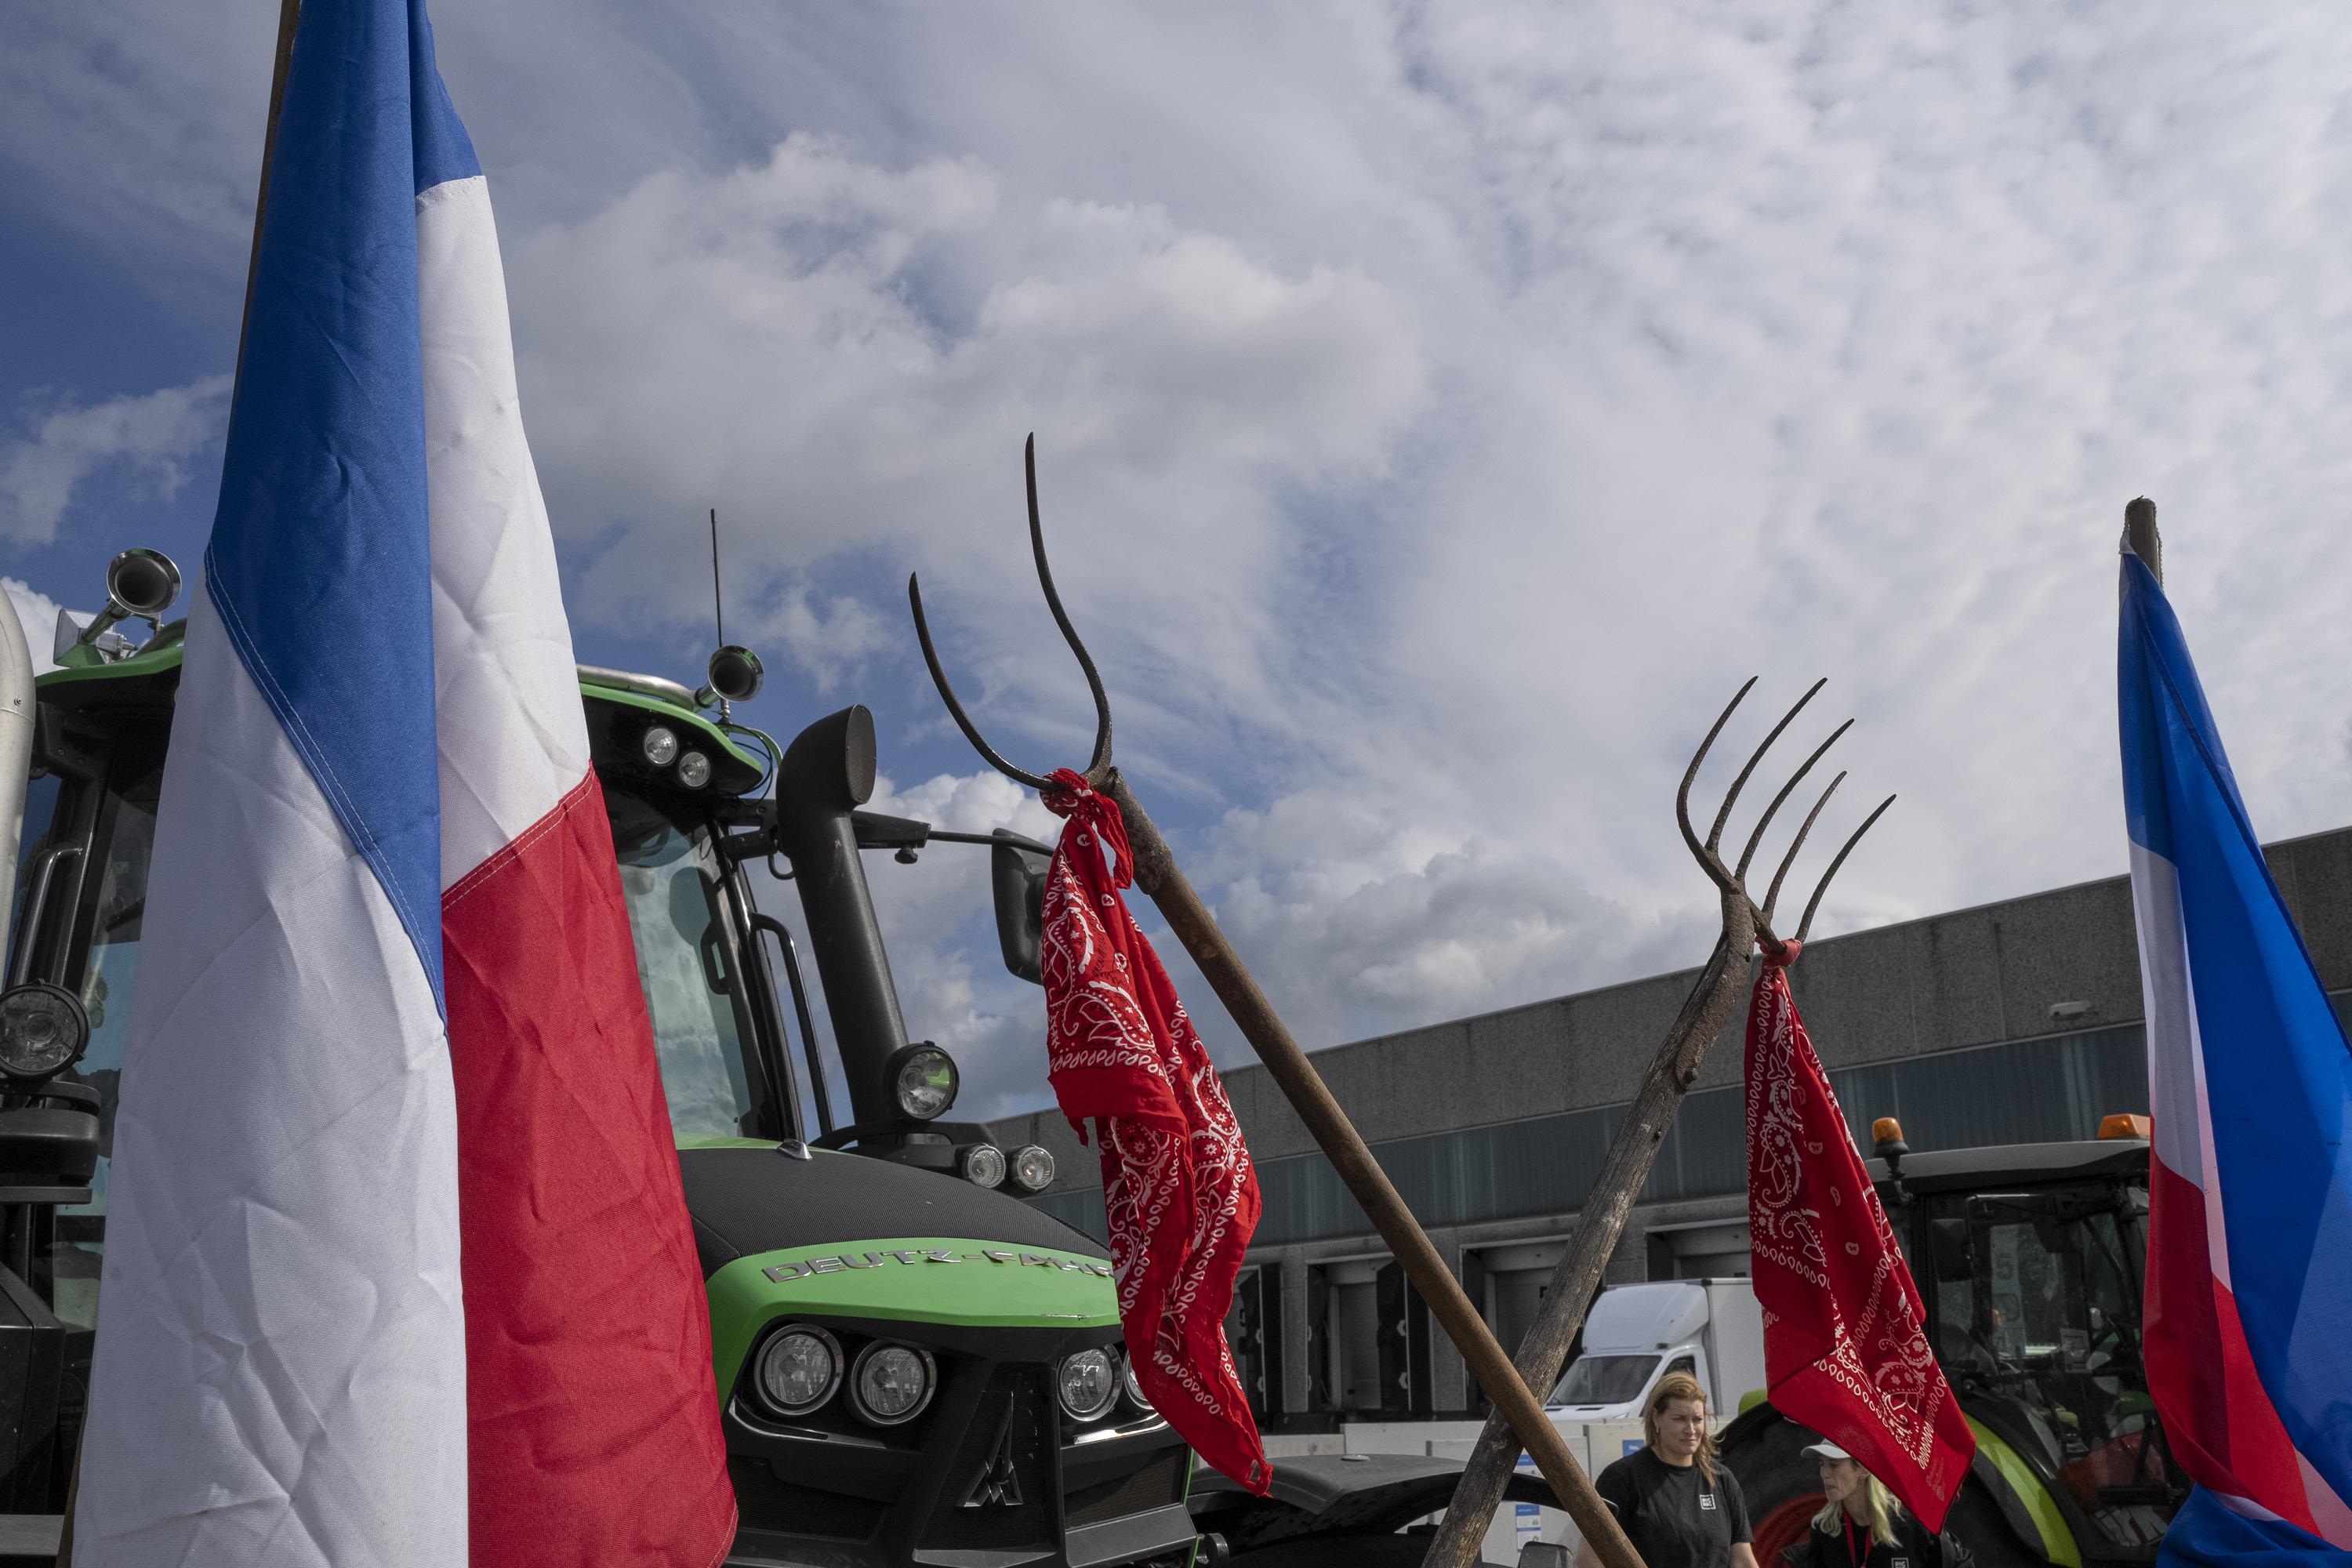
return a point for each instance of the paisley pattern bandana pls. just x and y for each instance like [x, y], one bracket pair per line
[1845, 1350]
[1178, 1188]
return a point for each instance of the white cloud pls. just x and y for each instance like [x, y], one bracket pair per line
[152, 440]
[1441, 409]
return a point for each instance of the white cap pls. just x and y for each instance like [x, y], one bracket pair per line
[1828, 1450]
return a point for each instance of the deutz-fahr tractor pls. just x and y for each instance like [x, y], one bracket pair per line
[2031, 1259]
[913, 1366]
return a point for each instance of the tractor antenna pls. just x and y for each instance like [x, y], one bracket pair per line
[718, 599]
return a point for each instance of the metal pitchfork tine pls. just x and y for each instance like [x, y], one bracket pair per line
[1157, 873]
[1733, 881]
[1633, 1147]
[1070, 635]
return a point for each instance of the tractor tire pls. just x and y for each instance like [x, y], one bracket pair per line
[1782, 1486]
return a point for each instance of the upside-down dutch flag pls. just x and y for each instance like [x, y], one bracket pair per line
[398, 1266]
[2249, 1311]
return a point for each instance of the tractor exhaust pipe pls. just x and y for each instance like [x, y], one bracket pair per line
[827, 773]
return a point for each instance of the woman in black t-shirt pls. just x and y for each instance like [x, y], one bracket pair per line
[1861, 1526]
[1674, 1498]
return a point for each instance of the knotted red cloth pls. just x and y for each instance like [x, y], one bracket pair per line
[1177, 1187]
[1844, 1350]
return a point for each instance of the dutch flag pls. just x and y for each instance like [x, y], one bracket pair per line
[2249, 1311]
[398, 1264]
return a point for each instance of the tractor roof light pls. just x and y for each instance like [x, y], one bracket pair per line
[694, 770]
[1033, 1169]
[43, 1031]
[922, 1079]
[659, 745]
[983, 1165]
[2124, 1124]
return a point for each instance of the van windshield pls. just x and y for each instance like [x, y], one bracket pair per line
[1604, 1380]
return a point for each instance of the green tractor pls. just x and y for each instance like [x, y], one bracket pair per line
[913, 1366]
[2031, 1259]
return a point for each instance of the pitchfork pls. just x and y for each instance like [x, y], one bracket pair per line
[1601, 1221]
[1157, 873]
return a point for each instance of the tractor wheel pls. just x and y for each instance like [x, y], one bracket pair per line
[1782, 1486]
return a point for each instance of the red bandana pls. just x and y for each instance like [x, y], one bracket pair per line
[1178, 1188]
[1844, 1351]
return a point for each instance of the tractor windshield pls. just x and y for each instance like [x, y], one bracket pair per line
[690, 959]
[2038, 1318]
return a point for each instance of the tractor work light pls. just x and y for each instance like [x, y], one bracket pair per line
[660, 745]
[983, 1165]
[2122, 1124]
[798, 1370]
[694, 770]
[1133, 1384]
[42, 1031]
[1087, 1384]
[891, 1384]
[1033, 1169]
[922, 1080]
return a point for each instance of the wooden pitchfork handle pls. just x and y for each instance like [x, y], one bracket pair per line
[1157, 873]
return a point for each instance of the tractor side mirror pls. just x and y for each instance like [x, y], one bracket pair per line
[1017, 873]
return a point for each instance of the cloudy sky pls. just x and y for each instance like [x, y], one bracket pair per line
[1441, 409]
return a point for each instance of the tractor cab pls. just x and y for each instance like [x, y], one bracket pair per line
[2031, 1260]
[911, 1363]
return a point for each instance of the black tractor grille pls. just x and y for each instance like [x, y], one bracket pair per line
[1157, 1483]
[767, 1503]
[999, 1494]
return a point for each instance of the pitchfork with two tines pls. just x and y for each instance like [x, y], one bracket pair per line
[1601, 1221]
[1156, 872]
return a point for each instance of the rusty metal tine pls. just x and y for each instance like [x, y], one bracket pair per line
[1704, 853]
[1757, 837]
[1062, 617]
[1772, 894]
[1822, 886]
[1714, 834]
[955, 709]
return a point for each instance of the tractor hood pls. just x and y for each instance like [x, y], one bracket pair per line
[755, 1199]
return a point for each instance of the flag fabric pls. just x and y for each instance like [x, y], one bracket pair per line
[1179, 1190]
[398, 1267]
[1845, 1345]
[2250, 1083]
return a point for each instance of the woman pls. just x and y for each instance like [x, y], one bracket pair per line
[1674, 1498]
[1861, 1526]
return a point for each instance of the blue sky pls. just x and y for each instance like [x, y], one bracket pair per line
[1441, 409]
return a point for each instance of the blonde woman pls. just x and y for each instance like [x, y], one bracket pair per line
[1861, 1526]
[1672, 1498]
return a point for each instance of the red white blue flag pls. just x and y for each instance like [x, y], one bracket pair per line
[2249, 1318]
[398, 1267]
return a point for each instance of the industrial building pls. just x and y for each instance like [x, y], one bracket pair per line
[2014, 1022]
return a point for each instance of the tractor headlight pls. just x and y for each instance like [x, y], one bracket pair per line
[660, 745]
[1033, 1169]
[42, 1030]
[694, 770]
[983, 1165]
[891, 1384]
[798, 1370]
[922, 1080]
[1133, 1384]
[1087, 1383]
